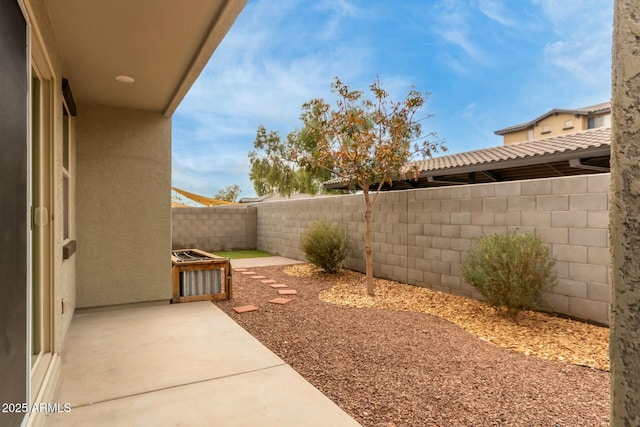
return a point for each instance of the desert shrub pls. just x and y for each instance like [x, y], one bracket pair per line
[510, 270]
[325, 245]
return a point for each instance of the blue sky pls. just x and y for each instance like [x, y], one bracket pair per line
[488, 64]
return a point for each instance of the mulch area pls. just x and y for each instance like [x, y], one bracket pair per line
[388, 366]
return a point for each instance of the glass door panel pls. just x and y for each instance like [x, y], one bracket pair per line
[36, 235]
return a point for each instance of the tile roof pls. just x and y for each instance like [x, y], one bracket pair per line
[602, 107]
[530, 152]
[572, 142]
[597, 108]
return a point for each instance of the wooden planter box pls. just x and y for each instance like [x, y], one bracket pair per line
[199, 276]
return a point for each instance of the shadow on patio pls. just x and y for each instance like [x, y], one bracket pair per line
[181, 364]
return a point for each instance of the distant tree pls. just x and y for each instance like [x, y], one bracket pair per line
[230, 193]
[365, 142]
[273, 169]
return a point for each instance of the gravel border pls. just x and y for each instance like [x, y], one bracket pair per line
[393, 368]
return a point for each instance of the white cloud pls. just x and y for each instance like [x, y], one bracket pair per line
[338, 10]
[469, 110]
[453, 24]
[582, 33]
[495, 10]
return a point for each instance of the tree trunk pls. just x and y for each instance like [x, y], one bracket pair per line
[368, 253]
[624, 345]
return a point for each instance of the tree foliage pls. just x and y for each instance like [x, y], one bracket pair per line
[365, 142]
[274, 171]
[230, 193]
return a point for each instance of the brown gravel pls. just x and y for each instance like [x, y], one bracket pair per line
[387, 366]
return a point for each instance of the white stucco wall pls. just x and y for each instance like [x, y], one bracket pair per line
[123, 204]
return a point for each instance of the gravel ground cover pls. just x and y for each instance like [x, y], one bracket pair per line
[397, 366]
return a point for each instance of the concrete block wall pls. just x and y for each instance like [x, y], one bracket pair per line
[421, 237]
[214, 228]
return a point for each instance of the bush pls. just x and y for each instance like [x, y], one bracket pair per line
[510, 270]
[325, 245]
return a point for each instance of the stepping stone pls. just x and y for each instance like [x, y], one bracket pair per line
[287, 292]
[258, 277]
[278, 285]
[280, 300]
[239, 269]
[267, 281]
[244, 309]
[247, 272]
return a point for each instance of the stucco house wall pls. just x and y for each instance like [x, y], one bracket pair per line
[556, 125]
[123, 206]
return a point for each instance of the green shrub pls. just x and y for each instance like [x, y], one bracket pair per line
[510, 270]
[325, 245]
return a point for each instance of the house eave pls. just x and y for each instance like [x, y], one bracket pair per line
[159, 46]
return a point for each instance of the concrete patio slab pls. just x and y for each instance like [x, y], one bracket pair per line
[272, 398]
[181, 364]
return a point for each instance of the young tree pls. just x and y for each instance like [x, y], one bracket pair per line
[366, 142]
[230, 193]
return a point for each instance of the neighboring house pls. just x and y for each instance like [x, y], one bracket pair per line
[87, 91]
[557, 122]
[564, 155]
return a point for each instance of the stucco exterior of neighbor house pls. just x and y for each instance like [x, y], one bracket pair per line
[87, 91]
[558, 121]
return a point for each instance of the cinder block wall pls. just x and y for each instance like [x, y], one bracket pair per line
[422, 236]
[215, 228]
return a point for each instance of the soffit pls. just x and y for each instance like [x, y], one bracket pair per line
[162, 44]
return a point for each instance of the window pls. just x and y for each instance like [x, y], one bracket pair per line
[568, 124]
[68, 181]
[65, 138]
[598, 122]
[546, 129]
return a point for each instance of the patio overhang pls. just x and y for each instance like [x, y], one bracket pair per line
[162, 44]
[565, 155]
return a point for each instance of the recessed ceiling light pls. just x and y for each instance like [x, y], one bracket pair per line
[125, 79]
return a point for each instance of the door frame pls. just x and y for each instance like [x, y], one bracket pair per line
[42, 375]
